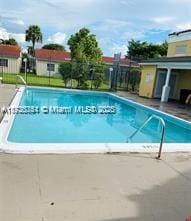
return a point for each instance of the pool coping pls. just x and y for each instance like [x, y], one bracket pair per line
[13, 147]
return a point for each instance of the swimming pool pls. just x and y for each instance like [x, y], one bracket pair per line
[78, 126]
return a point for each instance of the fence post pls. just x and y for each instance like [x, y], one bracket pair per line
[49, 70]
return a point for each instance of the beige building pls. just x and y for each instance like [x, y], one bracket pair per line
[169, 77]
[10, 59]
[47, 61]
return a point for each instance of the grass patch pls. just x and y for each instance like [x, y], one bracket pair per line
[33, 79]
[53, 81]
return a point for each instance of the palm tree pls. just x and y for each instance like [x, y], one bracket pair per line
[33, 34]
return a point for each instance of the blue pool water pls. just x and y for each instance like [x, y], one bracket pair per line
[90, 128]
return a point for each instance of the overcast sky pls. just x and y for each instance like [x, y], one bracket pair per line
[113, 21]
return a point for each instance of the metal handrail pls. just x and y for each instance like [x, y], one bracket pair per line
[162, 132]
[22, 79]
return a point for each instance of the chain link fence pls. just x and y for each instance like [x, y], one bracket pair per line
[79, 75]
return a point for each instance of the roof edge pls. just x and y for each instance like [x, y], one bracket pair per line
[179, 32]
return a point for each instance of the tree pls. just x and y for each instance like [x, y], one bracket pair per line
[84, 51]
[84, 46]
[163, 48]
[10, 41]
[65, 70]
[97, 80]
[97, 75]
[143, 50]
[33, 34]
[52, 46]
[80, 71]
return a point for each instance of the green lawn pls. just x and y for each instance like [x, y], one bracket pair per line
[54, 81]
[33, 79]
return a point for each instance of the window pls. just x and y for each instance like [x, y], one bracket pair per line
[50, 67]
[149, 77]
[181, 50]
[3, 62]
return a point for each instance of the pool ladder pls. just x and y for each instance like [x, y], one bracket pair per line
[22, 79]
[162, 132]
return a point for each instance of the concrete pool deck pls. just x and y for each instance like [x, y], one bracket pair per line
[172, 107]
[7, 92]
[97, 187]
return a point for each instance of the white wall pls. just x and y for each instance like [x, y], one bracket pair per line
[14, 65]
[41, 67]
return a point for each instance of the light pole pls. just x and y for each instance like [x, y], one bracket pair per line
[110, 76]
[71, 75]
[49, 70]
[91, 77]
[25, 61]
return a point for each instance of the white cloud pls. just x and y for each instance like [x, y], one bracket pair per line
[59, 13]
[20, 38]
[136, 35]
[4, 34]
[116, 23]
[111, 25]
[127, 3]
[58, 38]
[183, 26]
[11, 18]
[162, 20]
[18, 22]
[119, 49]
[180, 1]
[115, 20]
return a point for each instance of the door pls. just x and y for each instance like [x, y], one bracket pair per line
[161, 78]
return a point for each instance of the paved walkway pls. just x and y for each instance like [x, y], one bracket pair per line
[7, 92]
[132, 187]
[174, 108]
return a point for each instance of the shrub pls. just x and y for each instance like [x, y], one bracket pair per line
[65, 70]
